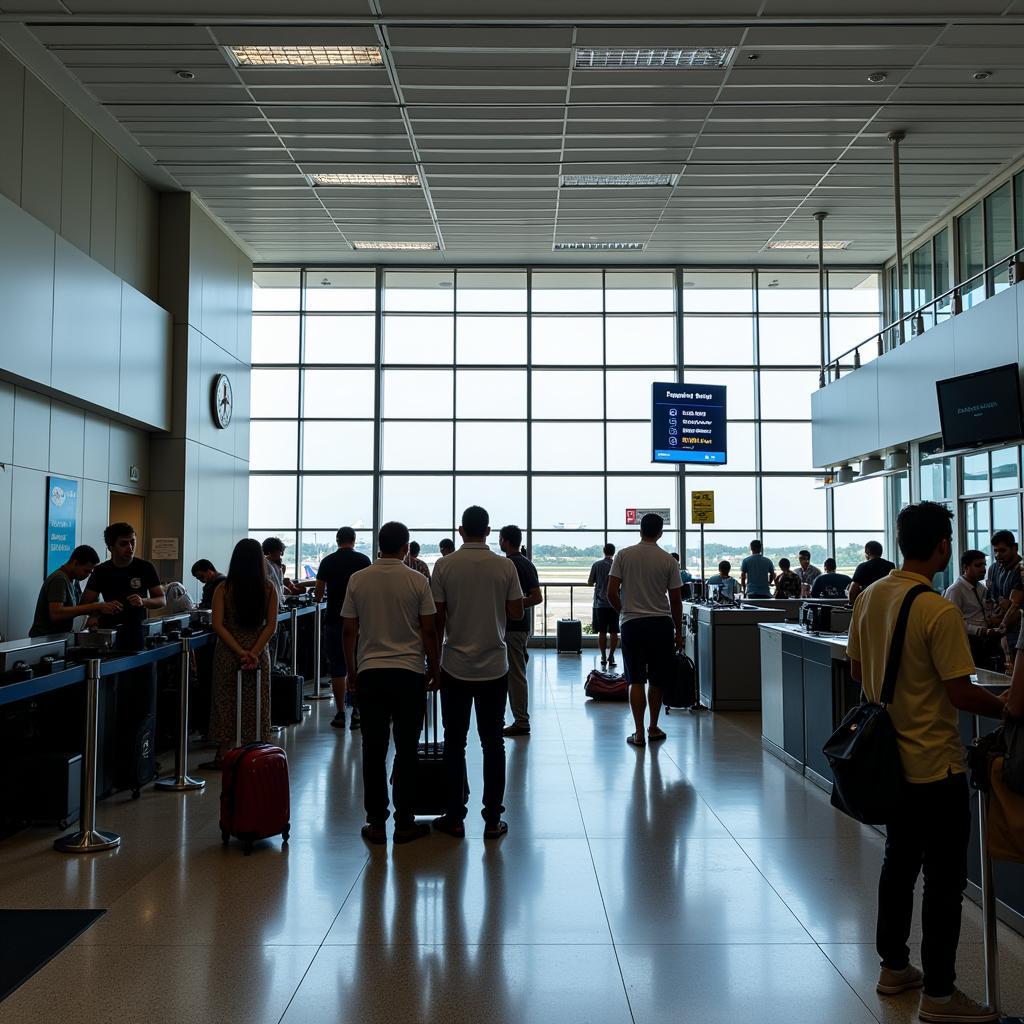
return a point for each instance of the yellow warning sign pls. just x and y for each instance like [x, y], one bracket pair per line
[702, 507]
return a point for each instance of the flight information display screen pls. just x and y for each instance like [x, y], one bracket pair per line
[688, 423]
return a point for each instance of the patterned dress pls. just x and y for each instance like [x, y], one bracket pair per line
[225, 685]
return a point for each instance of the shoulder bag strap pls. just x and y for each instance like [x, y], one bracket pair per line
[899, 634]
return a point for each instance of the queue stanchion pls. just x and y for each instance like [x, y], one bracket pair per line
[182, 782]
[293, 621]
[318, 655]
[89, 839]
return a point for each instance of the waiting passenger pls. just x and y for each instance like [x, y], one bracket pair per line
[831, 583]
[605, 619]
[757, 573]
[787, 583]
[1005, 586]
[60, 596]
[644, 585]
[244, 618]
[728, 586]
[873, 568]
[808, 573]
[446, 547]
[685, 576]
[413, 561]
[968, 594]
[206, 572]
[476, 592]
[517, 631]
[389, 628]
[932, 828]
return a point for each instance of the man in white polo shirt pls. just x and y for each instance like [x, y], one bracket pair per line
[475, 591]
[388, 615]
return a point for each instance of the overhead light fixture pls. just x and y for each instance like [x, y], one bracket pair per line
[185, 76]
[616, 180]
[805, 243]
[602, 246]
[844, 475]
[306, 56]
[644, 58]
[897, 462]
[372, 178]
[982, 76]
[869, 467]
[877, 77]
[397, 246]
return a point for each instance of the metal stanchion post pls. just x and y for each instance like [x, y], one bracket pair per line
[990, 940]
[293, 626]
[89, 839]
[182, 782]
[317, 655]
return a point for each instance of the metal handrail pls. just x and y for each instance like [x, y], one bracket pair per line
[953, 296]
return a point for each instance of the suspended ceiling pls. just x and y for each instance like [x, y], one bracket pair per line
[480, 101]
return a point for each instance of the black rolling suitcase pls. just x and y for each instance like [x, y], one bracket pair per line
[682, 690]
[431, 797]
[135, 729]
[286, 699]
[569, 636]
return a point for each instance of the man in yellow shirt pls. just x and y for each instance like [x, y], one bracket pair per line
[934, 828]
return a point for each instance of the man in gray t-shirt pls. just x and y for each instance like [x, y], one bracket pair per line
[757, 573]
[58, 604]
[605, 619]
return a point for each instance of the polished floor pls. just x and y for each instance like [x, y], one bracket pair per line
[698, 879]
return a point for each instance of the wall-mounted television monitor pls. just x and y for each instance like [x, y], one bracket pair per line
[980, 409]
[688, 423]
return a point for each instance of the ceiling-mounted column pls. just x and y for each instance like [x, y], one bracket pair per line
[820, 218]
[896, 138]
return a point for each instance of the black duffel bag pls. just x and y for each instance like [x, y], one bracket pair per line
[864, 751]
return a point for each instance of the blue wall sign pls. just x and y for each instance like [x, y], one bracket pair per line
[61, 520]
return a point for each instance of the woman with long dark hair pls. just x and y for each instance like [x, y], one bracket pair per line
[244, 619]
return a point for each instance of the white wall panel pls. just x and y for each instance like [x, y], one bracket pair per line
[6, 480]
[103, 220]
[128, 447]
[97, 447]
[28, 547]
[12, 89]
[145, 360]
[984, 336]
[67, 440]
[127, 226]
[76, 182]
[216, 491]
[43, 132]
[6, 425]
[31, 429]
[94, 516]
[215, 361]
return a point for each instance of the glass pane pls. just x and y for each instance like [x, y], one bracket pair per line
[975, 470]
[567, 291]
[337, 393]
[972, 253]
[274, 393]
[1005, 472]
[718, 340]
[491, 291]
[849, 552]
[426, 394]
[568, 394]
[739, 385]
[633, 492]
[940, 248]
[286, 537]
[786, 394]
[413, 444]
[860, 506]
[340, 445]
[419, 339]
[568, 340]
[275, 339]
[978, 525]
[629, 391]
[793, 503]
[1006, 514]
[568, 503]
[629, 448]
[998, 235]
[340, 339]
[640, 339]
[274, 290]
[718, 292]
[421, 502]
[735, 502]
[854, 291]
[921, 276]
[332, 501]
[844, 332]
[565, 556]
[504, 497]
[497, 445]
[640, 291]
[788, 545]
[419, 291]
[786, 447]
[740, 441]
[273, 445]
[789, 340]
[490, 394]
[937, 480]
[341, 290]
[491, 339]
[568, 446]
[788, 292]
[271, 501]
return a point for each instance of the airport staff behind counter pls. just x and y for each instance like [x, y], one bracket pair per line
[60, 597]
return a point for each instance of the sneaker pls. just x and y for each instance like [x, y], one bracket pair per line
[355, 723]
[374, 834]
[496, 829]
[957, 1009]
[892, 983]
[338, 721]
[611, 663]
[411, 833]
[604, 663]
[516, 730]
[450, 827]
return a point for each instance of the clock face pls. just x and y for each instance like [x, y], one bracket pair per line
[222, 400]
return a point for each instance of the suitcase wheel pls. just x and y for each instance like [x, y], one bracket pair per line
[286, 833]
[225, 837]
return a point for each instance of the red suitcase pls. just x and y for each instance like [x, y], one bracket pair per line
[255, 802]
[606, 686]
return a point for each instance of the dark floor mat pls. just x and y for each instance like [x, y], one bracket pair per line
[30, 939]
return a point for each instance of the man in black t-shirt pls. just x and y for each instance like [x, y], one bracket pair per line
[872, 569]
[333, 575]
[517, 631]
[130, 581]
[830, 583]
[206, 572]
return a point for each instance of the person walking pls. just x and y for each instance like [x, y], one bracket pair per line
[757, 573]
[932, 829]
[333, 576]
[476, 593]
[413, 561]
[644, 586]
[244, 619]
[605, 619]
[388, 617]
[517, 631]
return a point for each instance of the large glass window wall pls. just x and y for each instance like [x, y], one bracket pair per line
[410, 394]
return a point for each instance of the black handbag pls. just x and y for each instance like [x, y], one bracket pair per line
[864, 751]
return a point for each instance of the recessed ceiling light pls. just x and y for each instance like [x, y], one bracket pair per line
[307, 56]
[753, 56]
[185, 76]
[410, 246]
[877, 77]
[615, 180]
[981, 76]
[603, 246]
[373, 178]
[641, 58]
[808, 243]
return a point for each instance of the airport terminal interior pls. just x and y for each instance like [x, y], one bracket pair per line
[744, 269]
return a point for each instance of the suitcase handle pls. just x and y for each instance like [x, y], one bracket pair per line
[238, 709]
[430, 713]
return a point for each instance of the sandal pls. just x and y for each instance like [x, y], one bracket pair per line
[656, 734]
[634, 739]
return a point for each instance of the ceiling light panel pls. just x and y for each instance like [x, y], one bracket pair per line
[643, 58]
[390, 180]
[397, 246]
[789, 243]
[306, 56]
[616, 180]
[599, 246]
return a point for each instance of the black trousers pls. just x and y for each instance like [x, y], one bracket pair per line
[390, 699]
[458, 697]
[932, 834]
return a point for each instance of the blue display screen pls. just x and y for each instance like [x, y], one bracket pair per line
[688, 423]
